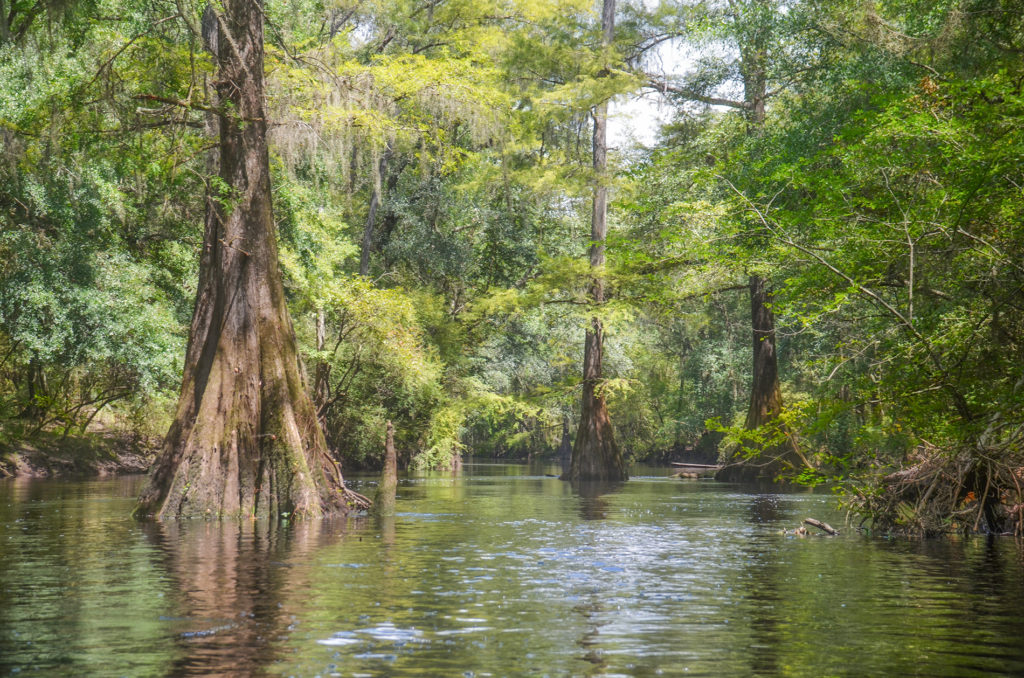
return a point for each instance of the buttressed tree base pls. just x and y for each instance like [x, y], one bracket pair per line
[245, 439]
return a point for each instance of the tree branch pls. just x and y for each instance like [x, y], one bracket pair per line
[959, 402]
[664, 87]
[191, 105]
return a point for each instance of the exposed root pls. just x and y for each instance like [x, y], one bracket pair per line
[356, 501]
[976, 489]
[350, 499]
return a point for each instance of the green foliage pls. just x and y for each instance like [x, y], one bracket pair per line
[373, 366]
[95, 282]
[913, 241]
[880, 197]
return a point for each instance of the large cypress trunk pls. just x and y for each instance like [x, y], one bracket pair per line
[596, 456]
[765, 397]
[245, 438]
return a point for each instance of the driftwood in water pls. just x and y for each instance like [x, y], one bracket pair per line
[684, 470]
[822, 526]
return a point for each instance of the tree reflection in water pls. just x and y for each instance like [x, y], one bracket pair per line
[231, 576]
[762, 589]
[593, 503]
[590, 642]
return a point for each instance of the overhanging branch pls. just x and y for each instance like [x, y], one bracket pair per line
[663, 86]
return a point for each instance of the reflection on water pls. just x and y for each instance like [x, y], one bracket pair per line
[593, 497]
[498, 570]
[231, 580]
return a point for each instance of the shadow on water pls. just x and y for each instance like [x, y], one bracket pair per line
[232, 578]
[766, 508]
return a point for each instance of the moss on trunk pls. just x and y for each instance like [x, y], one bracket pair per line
[245, 440]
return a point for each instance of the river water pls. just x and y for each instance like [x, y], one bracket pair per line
[497, 571]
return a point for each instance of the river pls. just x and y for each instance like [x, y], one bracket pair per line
[498, 571]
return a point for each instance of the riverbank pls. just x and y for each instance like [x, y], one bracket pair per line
[50, 455]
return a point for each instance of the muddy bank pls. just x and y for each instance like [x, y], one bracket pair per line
[94, 454]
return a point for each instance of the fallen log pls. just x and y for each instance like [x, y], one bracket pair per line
[822, 526]
[683, 464]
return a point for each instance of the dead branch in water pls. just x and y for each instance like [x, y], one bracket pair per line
[825, 527]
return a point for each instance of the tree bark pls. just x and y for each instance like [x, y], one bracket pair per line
[765, 398]
[595, 455]
[322, 376]
[565, 447]
[5, 31]
[384, 500]
[765, 395]
[245, 439]
[31, 409]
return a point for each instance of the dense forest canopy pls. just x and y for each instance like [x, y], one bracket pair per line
[814, 273]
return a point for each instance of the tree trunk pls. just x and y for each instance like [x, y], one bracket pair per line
[596, 456]
[322, 377]
[384, 500]
[765, 396]
[245, 438]
[565, 447]
[5, 31]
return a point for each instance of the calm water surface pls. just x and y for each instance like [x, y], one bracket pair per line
[499, 571]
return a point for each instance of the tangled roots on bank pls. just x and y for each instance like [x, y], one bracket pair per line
[355, 501]
[971, 490]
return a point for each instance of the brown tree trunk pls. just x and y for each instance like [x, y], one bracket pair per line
[35, 382]
[322, 377]
[596, 456]
[565, 447]
[384, 500]
[5, 31]
[765, 399]
[765, 396]
[245, 438]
